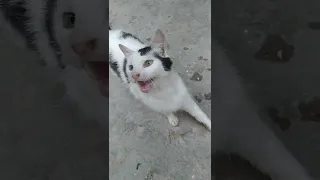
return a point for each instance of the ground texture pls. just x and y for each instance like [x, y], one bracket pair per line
[143, 145]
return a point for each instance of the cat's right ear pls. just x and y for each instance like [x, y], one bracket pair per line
[126, 51]
[159, 40]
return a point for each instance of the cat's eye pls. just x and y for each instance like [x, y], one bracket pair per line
[68, 20]
[147, 63]
[130, 67]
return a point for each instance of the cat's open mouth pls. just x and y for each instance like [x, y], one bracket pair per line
[145, 86]
[100, 71]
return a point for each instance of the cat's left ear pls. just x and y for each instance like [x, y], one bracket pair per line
[160, 40]
[126, 51]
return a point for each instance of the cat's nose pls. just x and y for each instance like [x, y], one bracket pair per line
[135, 75]
[85, 48]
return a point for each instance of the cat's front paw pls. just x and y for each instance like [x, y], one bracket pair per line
[173, 120]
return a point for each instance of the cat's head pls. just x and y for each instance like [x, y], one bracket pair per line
[148, 64]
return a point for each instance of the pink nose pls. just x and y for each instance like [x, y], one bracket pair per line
[84, 48]
[135, 76]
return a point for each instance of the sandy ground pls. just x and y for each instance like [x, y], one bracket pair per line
[141, 136]
[55, 125]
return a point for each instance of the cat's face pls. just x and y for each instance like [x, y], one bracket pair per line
[148, 64]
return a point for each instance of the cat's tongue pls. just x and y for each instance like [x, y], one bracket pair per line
[144, 86]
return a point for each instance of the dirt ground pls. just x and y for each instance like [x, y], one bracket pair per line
[143, 145]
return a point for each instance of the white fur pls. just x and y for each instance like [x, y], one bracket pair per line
[168, 94]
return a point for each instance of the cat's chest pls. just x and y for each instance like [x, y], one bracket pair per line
[162, 100]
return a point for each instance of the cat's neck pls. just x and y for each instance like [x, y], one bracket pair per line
[171, 80]
[170, 77]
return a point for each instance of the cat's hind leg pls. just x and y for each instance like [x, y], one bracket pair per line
[194, 110]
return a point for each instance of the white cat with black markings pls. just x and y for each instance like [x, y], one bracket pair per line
[147, 69]
[237, 128]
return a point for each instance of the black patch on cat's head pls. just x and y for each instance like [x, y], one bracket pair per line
[145, 50]
[126, 35]
[166, 62]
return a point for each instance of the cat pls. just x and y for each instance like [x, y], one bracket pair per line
[148, 72]
[239, 129]
[65, 33]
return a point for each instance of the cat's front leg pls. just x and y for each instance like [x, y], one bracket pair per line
[173, 120]
[194, 110]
